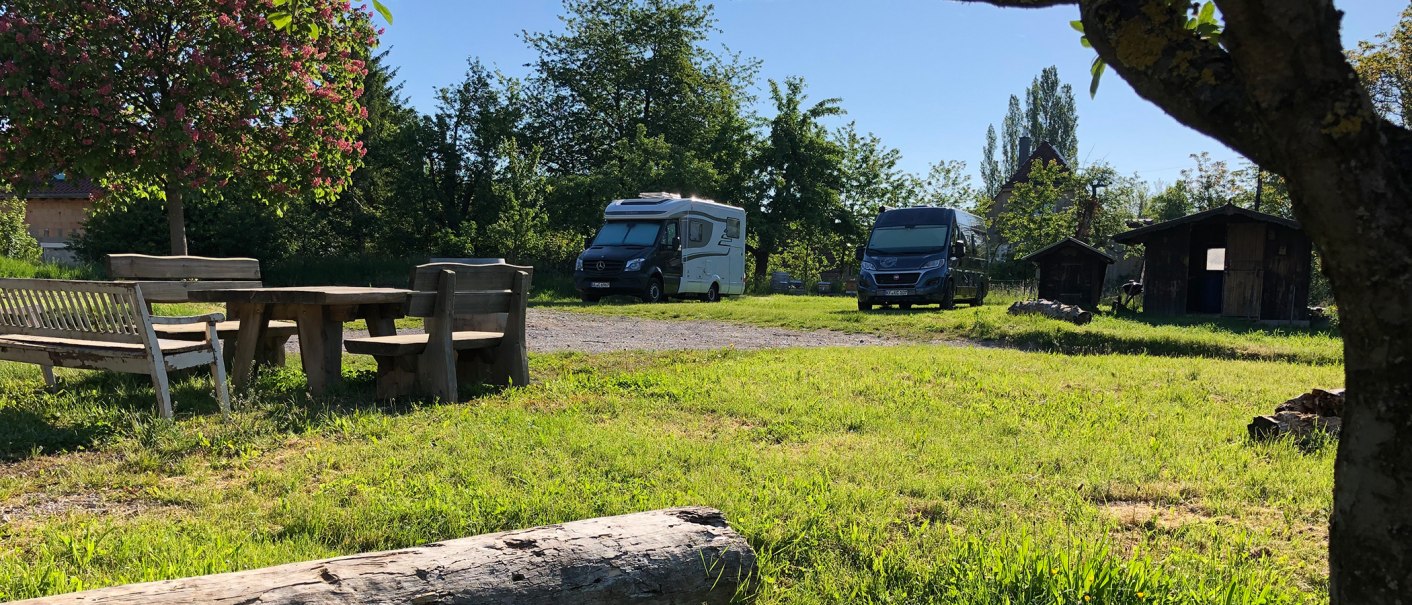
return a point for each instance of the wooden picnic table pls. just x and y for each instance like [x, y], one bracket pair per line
[320, 312]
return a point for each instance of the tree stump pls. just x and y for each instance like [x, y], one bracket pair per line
[680, 555]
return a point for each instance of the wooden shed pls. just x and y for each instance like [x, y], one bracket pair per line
[1071, 272]
[1226, 261]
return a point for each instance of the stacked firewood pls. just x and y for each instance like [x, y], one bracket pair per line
[1318, 411]
[1057, 310]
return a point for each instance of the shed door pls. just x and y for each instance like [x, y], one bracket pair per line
[1245, 259]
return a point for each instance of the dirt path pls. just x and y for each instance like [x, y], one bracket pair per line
[551, 331]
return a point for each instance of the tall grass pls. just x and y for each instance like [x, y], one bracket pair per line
[12, 267]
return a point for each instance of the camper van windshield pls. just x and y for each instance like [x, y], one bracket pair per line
[627, 233]
[909, 239]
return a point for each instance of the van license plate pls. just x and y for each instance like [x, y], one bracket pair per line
[599, 284]
[897, 292]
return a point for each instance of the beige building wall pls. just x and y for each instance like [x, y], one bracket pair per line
[56, 220]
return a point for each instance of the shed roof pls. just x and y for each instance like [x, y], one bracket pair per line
[1137, 236]
[1068, 242]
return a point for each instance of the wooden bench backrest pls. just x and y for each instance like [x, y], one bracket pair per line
[80, 310]
[480, 289]
[173, 278]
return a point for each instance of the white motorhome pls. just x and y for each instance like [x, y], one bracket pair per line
[662, 245]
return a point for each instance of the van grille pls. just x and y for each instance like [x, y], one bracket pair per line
[603, 266]
[896, 279]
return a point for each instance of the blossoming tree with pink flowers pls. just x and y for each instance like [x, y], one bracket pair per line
[185, 95]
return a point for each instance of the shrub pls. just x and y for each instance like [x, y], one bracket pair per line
[15, 240]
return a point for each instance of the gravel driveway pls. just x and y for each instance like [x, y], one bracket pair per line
[551, 330]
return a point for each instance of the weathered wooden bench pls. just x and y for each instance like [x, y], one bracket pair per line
[172, 279]
[474, 332]
[102, 326]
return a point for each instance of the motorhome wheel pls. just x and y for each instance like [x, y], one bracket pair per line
[653, 294]
[714, 294]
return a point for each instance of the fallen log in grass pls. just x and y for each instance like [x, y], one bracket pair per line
[1048, 308]
[680, 555]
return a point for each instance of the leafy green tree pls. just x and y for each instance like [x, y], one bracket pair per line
[800, 174]
[948, 185]
[1050, 205]
[1048, 114]
[1385, 67]
[623, 63]
[185, 95]
[634, 70]
[520, 232]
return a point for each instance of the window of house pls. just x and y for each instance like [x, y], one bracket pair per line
[732, 228]
[1216, 259]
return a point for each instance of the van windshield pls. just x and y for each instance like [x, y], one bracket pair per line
[909, 239]
[628, 233]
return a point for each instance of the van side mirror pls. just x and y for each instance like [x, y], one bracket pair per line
[588, 242]
[858, 253]
[676, 243]
[958, 249]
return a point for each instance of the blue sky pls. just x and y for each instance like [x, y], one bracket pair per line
[927, 76]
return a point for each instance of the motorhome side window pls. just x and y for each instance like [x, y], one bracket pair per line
[698, 233]
[732, 228]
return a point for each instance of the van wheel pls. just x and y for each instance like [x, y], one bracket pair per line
[948, 298]
[714, 294]
[590, 298]
[653, 293]
[980, 295]
[905, 306]
[862, 306]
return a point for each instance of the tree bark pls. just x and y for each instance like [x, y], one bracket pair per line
[1279, 90]
[176, 216]
[682, 555]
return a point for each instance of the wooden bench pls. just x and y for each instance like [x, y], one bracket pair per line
[102, 326]
[172, 279]
[474, 332]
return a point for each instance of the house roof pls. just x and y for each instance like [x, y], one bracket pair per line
[1137, 236]
[1068, 242]
[70, 188]
[1046, 153]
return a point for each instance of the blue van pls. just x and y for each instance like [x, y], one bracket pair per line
[923, 256]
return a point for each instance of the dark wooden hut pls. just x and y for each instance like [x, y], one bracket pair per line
[1226, 261]
[1071, 272]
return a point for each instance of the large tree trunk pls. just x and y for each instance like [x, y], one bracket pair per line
[176, 216]
[682, 555]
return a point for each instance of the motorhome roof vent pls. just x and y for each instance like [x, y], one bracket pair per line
[658, 195]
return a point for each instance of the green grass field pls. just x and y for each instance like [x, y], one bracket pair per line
[1195, 337]
[882, 475]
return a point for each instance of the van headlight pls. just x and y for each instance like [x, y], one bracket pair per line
[868, 266]
[932, 264]
[578, 264]
[634, 264]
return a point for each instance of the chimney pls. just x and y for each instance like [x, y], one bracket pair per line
[1024, 150]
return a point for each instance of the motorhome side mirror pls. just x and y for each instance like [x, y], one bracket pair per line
[858, 253]
[676, 243]
[959, 249]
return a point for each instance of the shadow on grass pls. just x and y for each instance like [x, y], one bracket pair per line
[90, 410]
[1205, 340]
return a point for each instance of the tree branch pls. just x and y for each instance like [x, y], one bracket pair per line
[1148, 44]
